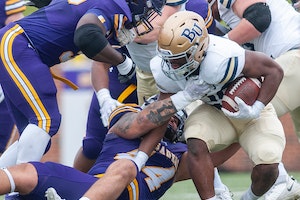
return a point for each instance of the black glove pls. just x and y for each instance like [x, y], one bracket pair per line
[127, 77]
[38, 3]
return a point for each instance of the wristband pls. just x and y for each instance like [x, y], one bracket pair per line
[140, 159]
[125, 67]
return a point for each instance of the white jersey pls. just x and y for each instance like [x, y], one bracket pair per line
[224, 61]
[282, 35]
[141, 54]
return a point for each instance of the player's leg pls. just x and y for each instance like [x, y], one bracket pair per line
[22, 178]
[6, 125]
[33, 179]
[93, 140]
[29, 87]
[206, 129]
[146, 86]
[119, 174]
[264, 142]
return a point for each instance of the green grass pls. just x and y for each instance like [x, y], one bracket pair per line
[236, 182]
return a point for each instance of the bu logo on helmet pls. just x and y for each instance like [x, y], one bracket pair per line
[191, 33]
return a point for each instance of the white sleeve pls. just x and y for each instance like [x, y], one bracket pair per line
[164, 83]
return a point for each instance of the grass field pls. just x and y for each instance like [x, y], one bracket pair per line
[236, 182]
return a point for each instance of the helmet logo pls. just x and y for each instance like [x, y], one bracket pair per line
[191, 33]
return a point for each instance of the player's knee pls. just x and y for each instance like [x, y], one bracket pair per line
[91, 148]
[267, 155]
[55, 124]
[127, 170]
[197, 147]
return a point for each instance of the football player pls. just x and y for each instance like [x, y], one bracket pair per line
[256, 23]
[95, 129]
[51, 35]
[143, 48]
[196, 58]
[166, 165]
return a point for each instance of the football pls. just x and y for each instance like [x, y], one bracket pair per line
[245, 88]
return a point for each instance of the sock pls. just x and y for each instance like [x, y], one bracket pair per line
[217, 180]
[9, 157]
[32, 144]
[282, 176]
[248, 195]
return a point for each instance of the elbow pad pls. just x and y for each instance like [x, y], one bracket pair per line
[259, 15]
[90, 39]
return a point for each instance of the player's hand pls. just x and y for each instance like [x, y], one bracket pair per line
[245, 111]
[196, 88]
[126, 36]
[37, 3]
[107, 105]
[126, 70]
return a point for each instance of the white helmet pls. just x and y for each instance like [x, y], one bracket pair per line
[184, 38]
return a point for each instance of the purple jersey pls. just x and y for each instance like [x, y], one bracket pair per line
[158, 174]
[152, 182]
[10, 7]
[44, 38]
[202, 8]
[51, 28]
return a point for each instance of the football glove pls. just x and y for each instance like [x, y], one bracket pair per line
[245, 111]
[107, 105]
[126, 70]
[126, 36]
[194, 89]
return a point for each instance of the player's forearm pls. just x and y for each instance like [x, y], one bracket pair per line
[150, 141]
[99, 75]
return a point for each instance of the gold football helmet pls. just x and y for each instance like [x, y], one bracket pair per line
[182, 42]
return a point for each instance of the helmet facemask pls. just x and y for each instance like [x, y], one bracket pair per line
[143, 12]
[181, 65]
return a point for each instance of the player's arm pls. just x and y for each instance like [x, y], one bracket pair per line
[257, 65]
[100, 82]
[90, 38]
[255, 19]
